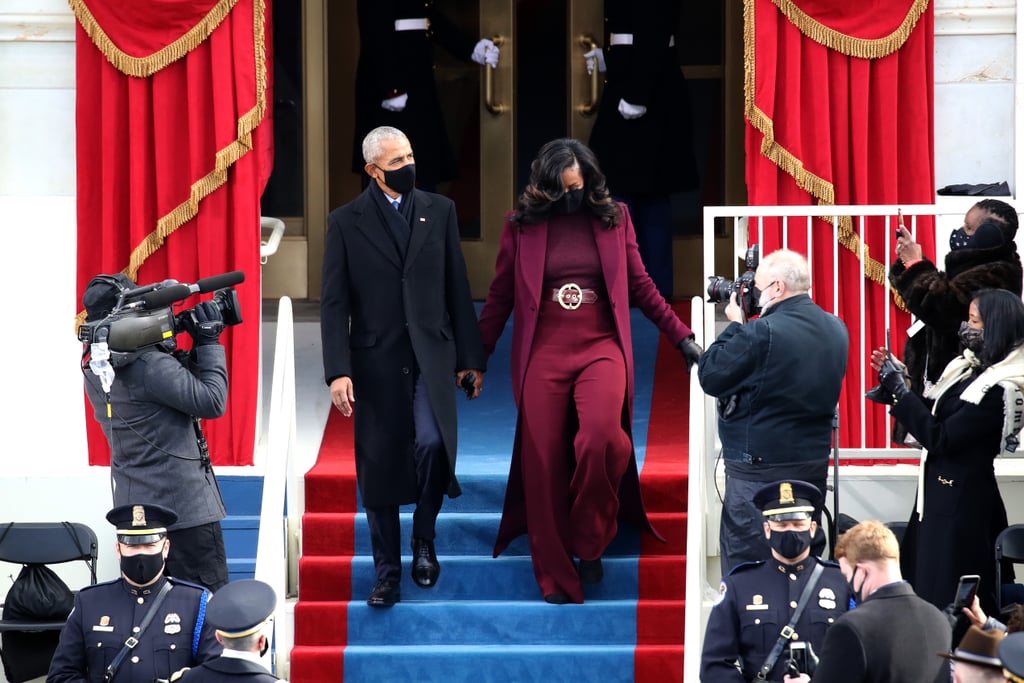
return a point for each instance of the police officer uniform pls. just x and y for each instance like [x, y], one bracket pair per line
[238, 610]
[109, 615]
[1011, 654]
[758, 599]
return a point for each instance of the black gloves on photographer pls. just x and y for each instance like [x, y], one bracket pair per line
[893, 380]
[691, 352]
[205, 324]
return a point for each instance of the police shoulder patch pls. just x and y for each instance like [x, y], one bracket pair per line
[721, 594]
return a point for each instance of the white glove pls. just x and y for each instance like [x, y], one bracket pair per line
[396, 103]
[485, 52]
[631, 111]
[595, 55]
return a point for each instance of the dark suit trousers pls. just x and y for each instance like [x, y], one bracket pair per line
[432, 480]
[576, 374]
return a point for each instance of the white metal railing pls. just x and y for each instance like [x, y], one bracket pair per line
[272, 556]
[703, 506]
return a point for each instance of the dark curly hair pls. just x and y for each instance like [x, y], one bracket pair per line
[545, 186]
[1002, 214]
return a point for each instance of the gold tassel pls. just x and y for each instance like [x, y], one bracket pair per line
[141, 67]
[846, 44]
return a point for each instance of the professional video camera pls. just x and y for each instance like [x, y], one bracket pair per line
[720, 288]
[143, 315]
[802, 659]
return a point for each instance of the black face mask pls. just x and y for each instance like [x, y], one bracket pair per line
[856, 592]
[401, 180]
[972, 338]
[790, 544]
[142, 569]
[569, 202]
[266, 646]
[958, 239]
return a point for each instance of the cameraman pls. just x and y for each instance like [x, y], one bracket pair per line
[157, 452]
[777, 379]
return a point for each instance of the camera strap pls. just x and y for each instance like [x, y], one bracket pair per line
[789, 629]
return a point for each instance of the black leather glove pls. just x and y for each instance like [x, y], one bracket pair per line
[691, 352]
[893, 379]
[878, 394]
[205, 324]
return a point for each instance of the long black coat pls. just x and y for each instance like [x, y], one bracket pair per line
[893, 636]
[228, 670]
[403, 316]
[963, 511]
[940, 299]
[644, 73]
[394, 62]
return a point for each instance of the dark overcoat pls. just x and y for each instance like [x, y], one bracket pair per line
[963, 511]
[644, 73]
[940, 299]
[756, 600]
[393, 63]
[517, 289]
[381, 319]
[892, 637]
[228, 670]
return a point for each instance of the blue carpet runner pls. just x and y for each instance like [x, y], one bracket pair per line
[486, 620]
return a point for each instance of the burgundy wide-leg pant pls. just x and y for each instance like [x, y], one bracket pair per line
[576, 374]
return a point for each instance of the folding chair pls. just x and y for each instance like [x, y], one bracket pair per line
[1009, 546]
[28, 645]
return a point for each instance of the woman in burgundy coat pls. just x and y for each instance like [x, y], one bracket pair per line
[568, 270]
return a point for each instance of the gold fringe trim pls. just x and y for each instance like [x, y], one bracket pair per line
[819, 188]
[224, 159]
[141, 67]
[848, 45]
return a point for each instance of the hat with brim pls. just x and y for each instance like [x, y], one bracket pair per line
[141, 524]
[787, 500]
[241, 608]
[978, 647]
[1011, 654]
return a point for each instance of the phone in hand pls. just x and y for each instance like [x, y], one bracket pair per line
[899, 223]
[966, 589]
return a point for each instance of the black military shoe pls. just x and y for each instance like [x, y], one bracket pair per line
[425, 568]
[591, 571]
[385, 594]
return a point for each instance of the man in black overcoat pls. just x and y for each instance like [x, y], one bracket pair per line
[892, 635]
[399, 334]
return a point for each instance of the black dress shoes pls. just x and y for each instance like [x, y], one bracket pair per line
[591, 571]
[556, 599]
[385, 594]
[425, 568]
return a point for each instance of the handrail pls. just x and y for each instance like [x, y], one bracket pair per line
[272, 556]
[269, 246]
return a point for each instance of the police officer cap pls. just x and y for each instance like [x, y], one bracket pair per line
[141, 524]
[241, 608]
[1011, 652]
[102, 293]
[788, 499]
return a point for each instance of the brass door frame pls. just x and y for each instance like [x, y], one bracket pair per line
[586, 29]
[497, 145]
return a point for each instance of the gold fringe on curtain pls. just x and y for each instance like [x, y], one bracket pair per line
[224, 159]
[141, 67]
[848, 45]
[819, 188]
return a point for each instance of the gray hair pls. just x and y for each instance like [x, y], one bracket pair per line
[789, 267]
[372, 148]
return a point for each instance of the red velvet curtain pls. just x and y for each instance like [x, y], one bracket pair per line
[840, 110]
[171, 162]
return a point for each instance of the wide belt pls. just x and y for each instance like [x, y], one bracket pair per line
[627, 39]
[570, 296]
[421, 24]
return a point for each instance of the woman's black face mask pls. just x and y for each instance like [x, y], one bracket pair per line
[569, 202]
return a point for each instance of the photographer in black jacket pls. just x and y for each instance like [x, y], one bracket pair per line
[777, 379]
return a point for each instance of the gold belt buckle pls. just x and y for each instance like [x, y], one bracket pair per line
[570, 296]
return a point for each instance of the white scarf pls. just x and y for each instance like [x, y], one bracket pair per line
[1007, 373]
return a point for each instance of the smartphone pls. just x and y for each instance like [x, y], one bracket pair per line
[966, 589]
[899, 222]
[798, 656]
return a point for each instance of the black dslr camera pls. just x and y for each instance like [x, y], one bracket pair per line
[802, 659]
[720, 288]
[142, 316]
